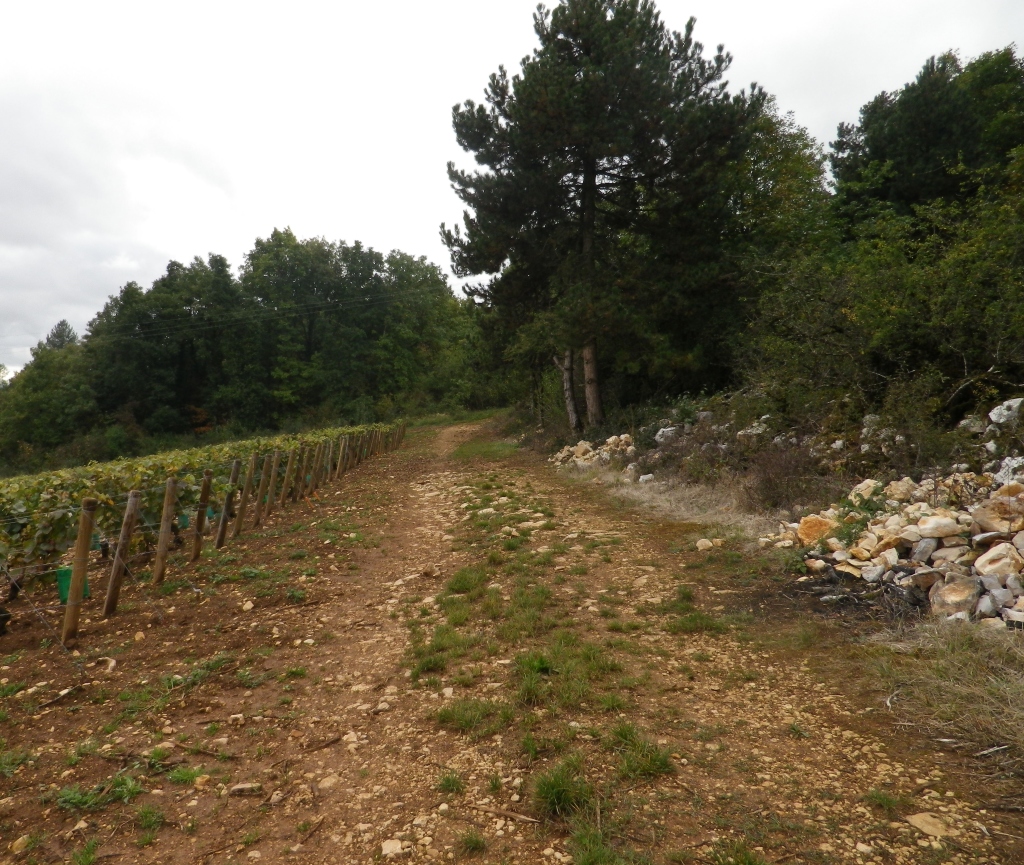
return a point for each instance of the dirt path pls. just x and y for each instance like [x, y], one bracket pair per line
[456, 655]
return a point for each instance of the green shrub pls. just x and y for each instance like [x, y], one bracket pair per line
[472, 843]
[562, 791]
[148, 817]
[451, 782]
[467, 580]
[465, 716]
[696, 623]
[640, 758]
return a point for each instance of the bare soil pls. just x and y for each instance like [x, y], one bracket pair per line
[458, 610]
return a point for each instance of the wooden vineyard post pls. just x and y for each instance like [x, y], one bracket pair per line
[300, 483]
[320, 456]
[309, 475]
[229, 497]
[204, 503]
[314, 468]
[131, 514]
[264, 481]
[78, 568]
[295, 493]
[328, 471]
[309, 470]
[342, 455]
[243, 503]
[273, 484]
[163, 542]
[288, 476]
[321, 464]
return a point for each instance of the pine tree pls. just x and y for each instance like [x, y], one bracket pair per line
[61, 334]
[586, 154]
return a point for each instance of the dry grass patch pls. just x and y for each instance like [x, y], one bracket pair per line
[719, 506]
[960, 679]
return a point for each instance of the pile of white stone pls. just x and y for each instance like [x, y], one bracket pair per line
[585, 455]
[958, 540]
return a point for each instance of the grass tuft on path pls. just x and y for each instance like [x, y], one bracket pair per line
[562, 791]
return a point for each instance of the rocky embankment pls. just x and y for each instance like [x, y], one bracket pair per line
[955, 544]
[585, 455]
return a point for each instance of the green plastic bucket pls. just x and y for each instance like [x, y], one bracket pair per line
[64, 584]
[182, 521]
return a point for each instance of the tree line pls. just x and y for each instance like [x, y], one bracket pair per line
[307, 332]
[678, 236]
[636, 229]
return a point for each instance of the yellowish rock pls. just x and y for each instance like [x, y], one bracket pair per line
[864, 491]
[957, 597]
[889, 543]
[931, 824]
[937, 526]
[901, 490]
[1000, 514]
[910, 534]
[1002, 560]
[813, 528]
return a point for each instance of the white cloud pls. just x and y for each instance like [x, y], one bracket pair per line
[134, 133]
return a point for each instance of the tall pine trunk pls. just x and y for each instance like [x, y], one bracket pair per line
[566, 367]
[588, 218]
[591, 385]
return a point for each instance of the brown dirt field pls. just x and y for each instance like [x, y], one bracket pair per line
[466, 611]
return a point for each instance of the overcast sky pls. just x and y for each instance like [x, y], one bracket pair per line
[135, 133]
